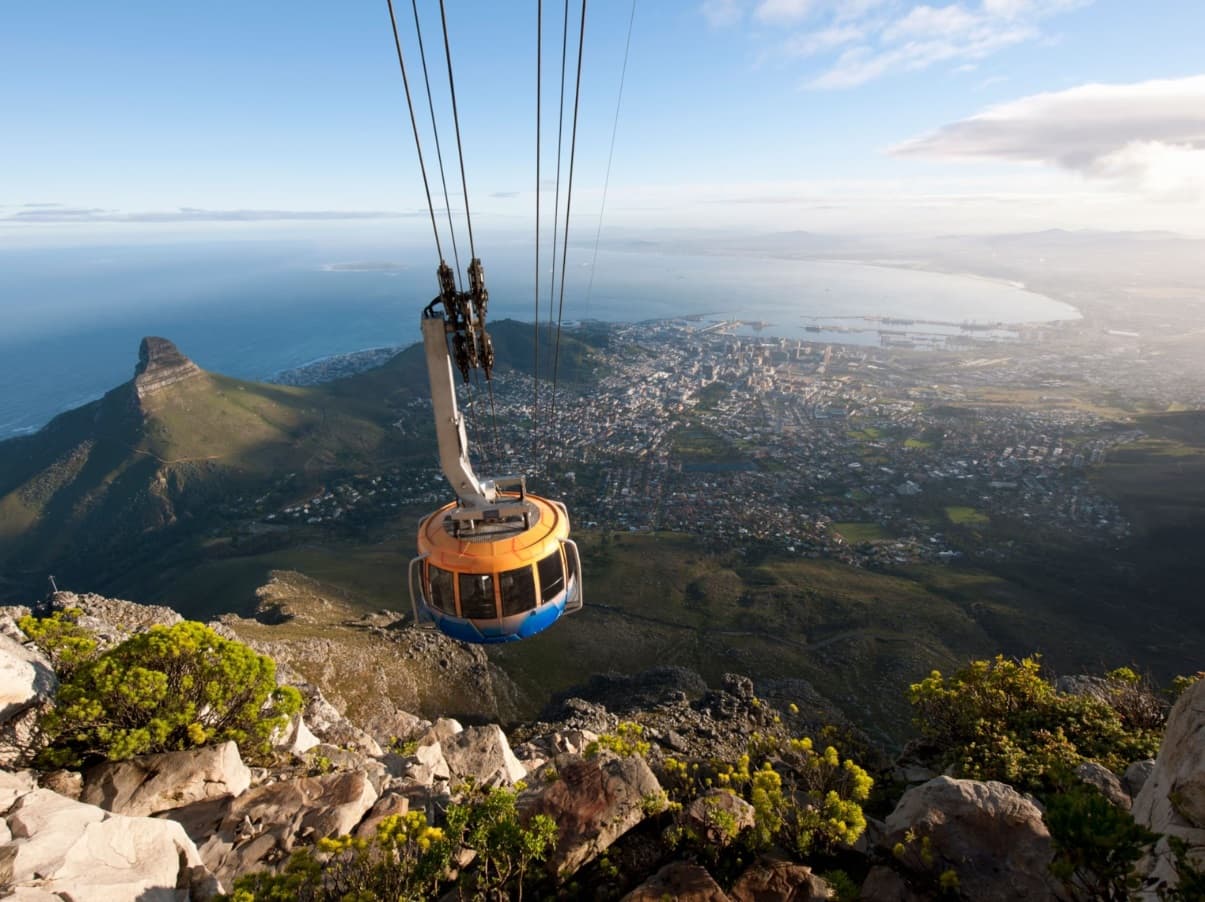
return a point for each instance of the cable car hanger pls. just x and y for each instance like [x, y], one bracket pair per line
[496, 564]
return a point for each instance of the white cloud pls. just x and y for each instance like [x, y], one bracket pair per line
[868, 39]
[1149, 135]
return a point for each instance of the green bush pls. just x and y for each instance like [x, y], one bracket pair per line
[409, 860]
[1002, 720]
[65, 643]
[804, 799]
[166, 689]
[1096, 844]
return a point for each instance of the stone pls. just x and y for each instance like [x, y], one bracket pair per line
[680, 881]
[594, 801]
[719, 816]
[80, 852]
[773, 880]
[443, 728]
[26, 678]
[1106, 781]
[483, 755]
[1136, 776]
[295, 738]
[989, 834]
[69, 783]
[388, 805]
[882, 884]
[14, 784]
[426, 766]
[149, 784]
[258, 829]
[1172, 800]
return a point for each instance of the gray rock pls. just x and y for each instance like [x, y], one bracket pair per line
[149, 784]
[1106, 781]
[483, 755]
[1136, 776]
[771, 880]
[388, 805]
[261, 827]
[679, 881]
[990, 835]
[594, 802]
[295, 738]
[113, 620]
[719, 816]
[76, 852]
[27, 687]
[1172, 801]
[883, 884]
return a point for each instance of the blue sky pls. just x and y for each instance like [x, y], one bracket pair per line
[854, 116]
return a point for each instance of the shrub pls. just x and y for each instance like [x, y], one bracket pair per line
[1001, 720]
[804, 799]
[1096, 843]
[167, 689]
[408, 859]
[65, 643]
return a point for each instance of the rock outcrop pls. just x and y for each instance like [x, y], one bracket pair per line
[150, 784]
[71, 851]
[27, 684]
[258, 829]
[1172, 800]
[594, 801]
[679, 881]
[770, 880]
[160, 364]
[992, 837]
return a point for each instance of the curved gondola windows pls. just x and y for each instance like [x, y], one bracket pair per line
[477, 596]
[552, 576]
[443, 590]
[518, 590]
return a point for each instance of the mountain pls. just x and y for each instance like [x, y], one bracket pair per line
[159, 454]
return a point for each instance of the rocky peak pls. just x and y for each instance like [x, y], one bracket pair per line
[160, 364]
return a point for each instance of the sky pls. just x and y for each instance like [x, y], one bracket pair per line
[139, 119]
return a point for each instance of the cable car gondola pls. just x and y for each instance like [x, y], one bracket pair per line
[497, 564]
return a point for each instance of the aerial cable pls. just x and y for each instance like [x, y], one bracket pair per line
[456, 120]
[610, 157]
[556, 203]
[535, 363]
[397, 42]
[577, 96]
[438, 150]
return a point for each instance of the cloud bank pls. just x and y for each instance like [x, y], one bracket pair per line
[1149, 135]
[58, 213]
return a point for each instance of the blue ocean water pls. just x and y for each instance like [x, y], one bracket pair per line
[71, 319]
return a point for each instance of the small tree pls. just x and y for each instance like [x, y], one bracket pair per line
[60, 637]
[167, 689]
[1096, 844]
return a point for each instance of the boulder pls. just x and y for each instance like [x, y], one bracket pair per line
[426, 766]
[1106, 781]
[76, 852]
[594, 801]
[444, 728]
[1172, 800]
[989, 834]
[258, 829]
[719, 816]
[882, 884]
[1136, 776]
[388, 805]
[295, 737]
[26, 678]
[149, 784]
[770, 880]
[680, 881]
[27, 686]
[483, 755]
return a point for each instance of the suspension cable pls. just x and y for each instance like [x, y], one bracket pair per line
[397, 42]
[456, 119]
[535, 363]
[623, 74]
[556, 203]
[577, 96]
[438, 150]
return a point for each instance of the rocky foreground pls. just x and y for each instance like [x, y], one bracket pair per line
[185, 825]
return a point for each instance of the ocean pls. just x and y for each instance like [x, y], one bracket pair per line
[71, 319]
